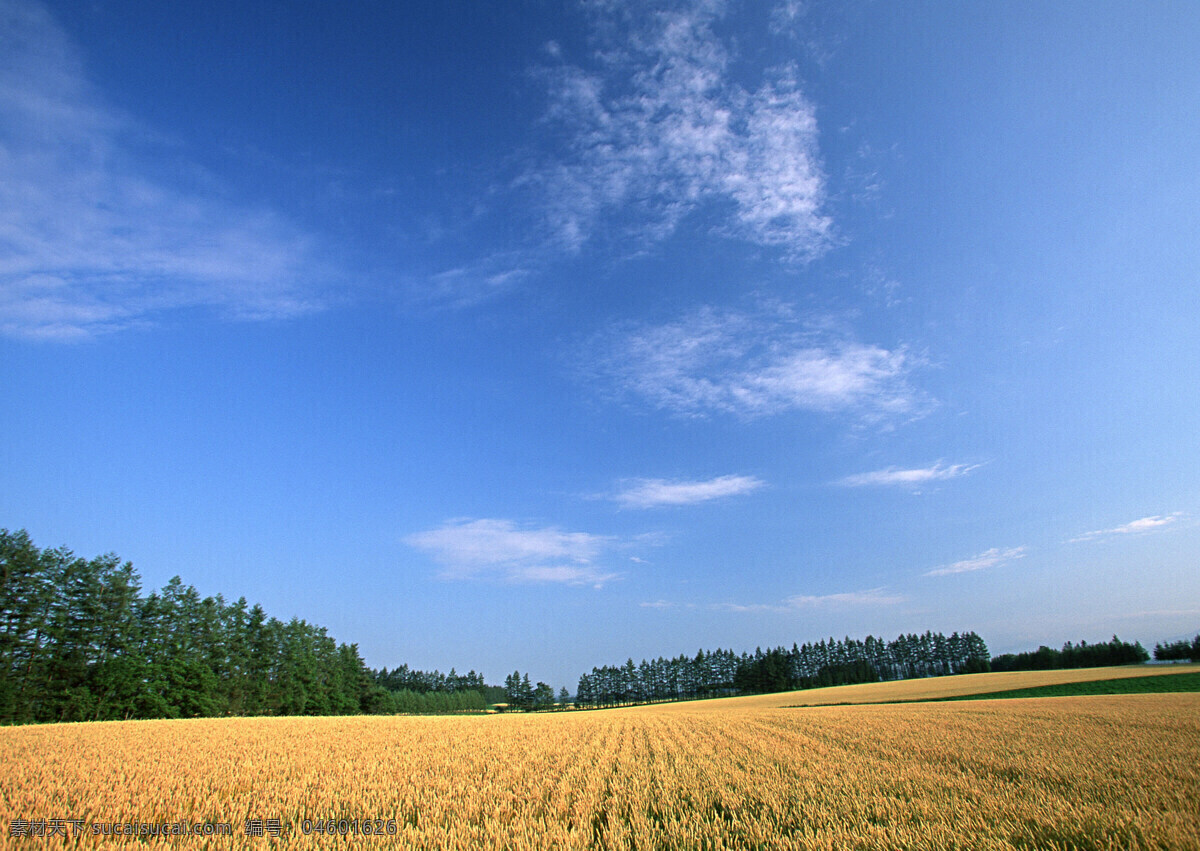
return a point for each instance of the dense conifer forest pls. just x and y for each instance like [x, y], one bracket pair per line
[80, 642]
[720, 673]
[1178, 651]
[1081, 655]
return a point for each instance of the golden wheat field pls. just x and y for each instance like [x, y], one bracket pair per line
[1120, 772]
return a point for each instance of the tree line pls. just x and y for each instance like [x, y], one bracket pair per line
[519, 693]
[80, 642]
[1081, 655]
[1178, 651]
[718, 673]
[410, 691]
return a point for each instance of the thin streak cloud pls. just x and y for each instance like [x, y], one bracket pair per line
[990, 558]
[799, 602]
[896, 476]
[653, 493]
[1153, 523]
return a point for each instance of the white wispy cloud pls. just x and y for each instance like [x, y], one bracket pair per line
[991, 558]
[474, 283]
[500, 549]
[95, 240]
[658, 126]
[848, 599]
[908, 477]
[652, 493]
[566, 574]
[873, 597]
[1154, 523]
[755, 364]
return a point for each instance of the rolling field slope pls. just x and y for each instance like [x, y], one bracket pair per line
[932, 688]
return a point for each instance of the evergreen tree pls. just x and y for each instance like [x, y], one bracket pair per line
[543, 696]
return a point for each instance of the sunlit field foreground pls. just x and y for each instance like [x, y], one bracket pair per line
[1117, 772]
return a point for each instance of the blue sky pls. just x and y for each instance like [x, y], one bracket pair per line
[547, 335]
